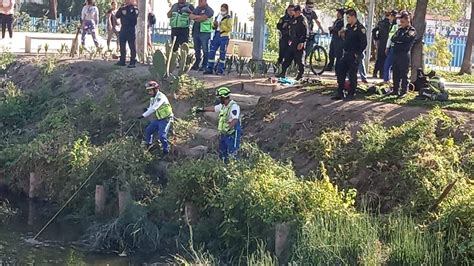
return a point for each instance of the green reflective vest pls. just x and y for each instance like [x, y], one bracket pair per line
[179, 20]
[223, 126]
[164, 111]
[206, 26]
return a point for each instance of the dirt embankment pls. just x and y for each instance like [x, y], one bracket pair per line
[276, 123]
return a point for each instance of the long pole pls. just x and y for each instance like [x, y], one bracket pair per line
[142, 29]
[259, 30]
[370, 25]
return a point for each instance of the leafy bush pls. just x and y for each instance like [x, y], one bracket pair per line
[440, 50]
[6, 59]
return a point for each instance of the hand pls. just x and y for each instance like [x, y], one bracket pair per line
[300, 46]
[192, 16]
[145, 109]
[140, 117]
[386, 51]
[198, 110]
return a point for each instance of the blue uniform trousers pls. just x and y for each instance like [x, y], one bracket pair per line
[221, 43]
[161, 126]
[229, 144]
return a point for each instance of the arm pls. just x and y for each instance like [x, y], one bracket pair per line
[405, 37]
[172, 9]
[119, 13]
[362, 41]
[109, 21]
[280, 24]
[319, 26]
[96, 17]
[198, 18]
[83, 13]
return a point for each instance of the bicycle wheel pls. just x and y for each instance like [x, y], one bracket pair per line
[318, 60]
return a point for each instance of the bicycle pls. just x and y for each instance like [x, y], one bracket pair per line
[318, 56]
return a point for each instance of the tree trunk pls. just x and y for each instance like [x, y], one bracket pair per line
[419, 22]
[53, 9]
[466, 67]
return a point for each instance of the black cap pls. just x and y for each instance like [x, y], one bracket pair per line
[394, 13]
[297, 8]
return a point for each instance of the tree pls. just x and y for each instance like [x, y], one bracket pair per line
[420, 25]
[466, 67]
[53, 9]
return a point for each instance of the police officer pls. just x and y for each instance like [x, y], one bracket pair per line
[337, 44]
[380, 33]
[355, 42]
[179, 22]
[128, 15]
[298, 36]
[283, 26]
[402, 42]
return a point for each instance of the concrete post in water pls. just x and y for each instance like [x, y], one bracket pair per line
[99, 199]
[34, 185]
[282, 230]
[190, 213]
[123, 200]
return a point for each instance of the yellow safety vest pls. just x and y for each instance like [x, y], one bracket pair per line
[223, 126]
[164, 111]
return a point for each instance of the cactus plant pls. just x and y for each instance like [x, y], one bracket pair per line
[185, 60]
[158, 69]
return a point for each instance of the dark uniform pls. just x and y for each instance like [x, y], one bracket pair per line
[380, 33]
[337, 43]
[355, 42]
[298, 35]
[283, 26]
[402, 42]
[128, 16]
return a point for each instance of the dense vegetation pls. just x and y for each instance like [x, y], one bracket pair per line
[398, 219]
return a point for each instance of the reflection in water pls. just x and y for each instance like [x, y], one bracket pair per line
[54, 245]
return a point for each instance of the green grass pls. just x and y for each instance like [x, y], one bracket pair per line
[454, 77]
[459, 99]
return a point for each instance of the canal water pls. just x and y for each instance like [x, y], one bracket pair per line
[56, 246]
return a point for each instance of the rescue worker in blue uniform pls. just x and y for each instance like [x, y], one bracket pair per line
[128, 15]
[355, 42]
[337, 44]
[229, 125]
[222, 28]
[402, 43]
[161, 107]
[283, 26]
[296, 44]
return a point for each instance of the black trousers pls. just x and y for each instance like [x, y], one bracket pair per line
[380, 61]
[294, 55]
[128, 37]
[347, 66]
[282, 49]
[182, 36]
[7, 23]
[401, 64]
[335, 52]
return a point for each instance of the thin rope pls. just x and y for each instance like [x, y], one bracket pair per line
[77, 191]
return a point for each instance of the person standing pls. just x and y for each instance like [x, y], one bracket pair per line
[355, 42]
[402, 42]
[128, 15]
[388, 49]
[380, 33]
[161, 107]
[312, 18]
[179, 22]
[283, 26]
[222, 27]
[7, 10]
[298, 38]
[337, 44]
[113, 26]
[229, 125]
[90, 20]
[202, 28]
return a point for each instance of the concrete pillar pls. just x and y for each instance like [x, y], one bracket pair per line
[35, 182]
[142, 28]
[282, 230]
[191, 213]
[100, 197]
[123, 200]
[259, 30]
